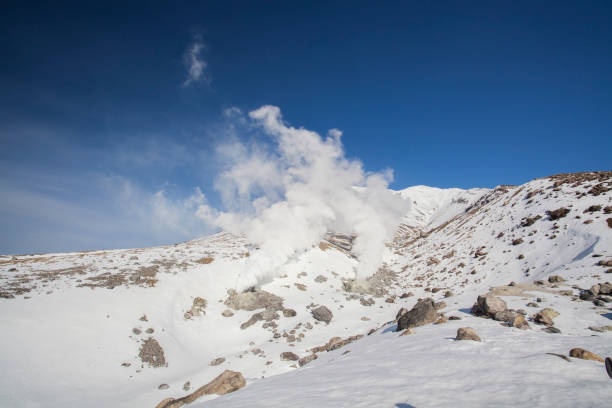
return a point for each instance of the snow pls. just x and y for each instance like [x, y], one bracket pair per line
[66, 348]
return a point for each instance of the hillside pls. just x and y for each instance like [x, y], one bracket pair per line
[107, 328]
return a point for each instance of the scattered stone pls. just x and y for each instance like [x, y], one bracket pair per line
[584, 354]
[336, 343]
[609, 363]
[467, 333]
[605, 288]
[440, 305]
[488, 305]
[558, 213]
[366, 302]
[152, 353]
[561, 356]
[322, 314]
[226, 382]
[454, 318]
[126, 364]
[407, 332]
[586, 295]
[600, 329]
[532, 304]
[289, 356]
[546, 316]
[217, 361]
[517, 241]
[163, 387]
[305, 360]
[289, 312]
[365, 319]
[504, 316]
[253, 299]
[448, 293]
[390, 300]
[405, 295]
[555, 279]
[197, 308]
[599, 302]
[150, 330]
[424, 312]
[400, 313]
[136, 330]
[187, 386]
[300, 286]
[552, 330]
[227, 313]
[143, 318]
[320, 279]
[519, 322]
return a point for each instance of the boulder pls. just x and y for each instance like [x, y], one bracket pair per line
[488, 305]
[545, 316]
[605, 288]
[519, 322]
[253, 299]
[555, 279]
[228, 381]
[467, 333]
[305, 360]
[504, 316]
[289, 312]
[424, 312]
[217, 361]
[584, 354]
[289, 356]
[322, 314]
[400, 313]
[595, 289]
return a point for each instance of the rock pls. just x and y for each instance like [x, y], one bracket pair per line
[289, 312]
[300, 286]
[163, 387]
[552, 330]
[320, 279]
[448, 293]
[605, 288]
[400, 313]
[454, 318]
[152, 353]
[599, 302]
[584, 354]
[587, 295]
[504, 316]
[488, 305]
[390, 300]
[532, 304]
[226, 382]
[467, 333]
[126, 364]
[600, 329]
[561, 356]
[305, 360]
[609, 366]
[217, 361]
[227, 313]
[555, 279]
[517, 241]
[558, 213]
[440, 305]
[519, 322]
[366, 302]
[406, 295]
[289, 356]
[252, 300]
[424, 312]
[546, 316]
[187, 386]
[322, 314]
[197, 308]
[136, 330]
[407, 332]
[441, 320]
[595, 289]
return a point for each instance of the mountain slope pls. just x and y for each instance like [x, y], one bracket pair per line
[76, 323]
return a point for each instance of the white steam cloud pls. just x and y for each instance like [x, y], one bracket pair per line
[285, 200]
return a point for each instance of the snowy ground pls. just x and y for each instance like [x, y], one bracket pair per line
[67, 319]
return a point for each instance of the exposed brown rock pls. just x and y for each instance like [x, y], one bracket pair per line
[467, 333]
[584, 354]
[424, 312]
[226, 382]
[152, 353]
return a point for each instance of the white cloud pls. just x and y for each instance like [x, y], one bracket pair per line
[196, 66]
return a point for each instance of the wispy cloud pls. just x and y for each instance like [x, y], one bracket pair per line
[196, 66]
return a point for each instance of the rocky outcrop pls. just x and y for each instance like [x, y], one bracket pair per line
[488, 305]
[584, 354]
[226, 382]
[424, 312]
[322, 314]
[253, 299]
[289, 356]
[467, 333]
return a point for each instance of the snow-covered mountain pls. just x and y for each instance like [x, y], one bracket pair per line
[107, 328]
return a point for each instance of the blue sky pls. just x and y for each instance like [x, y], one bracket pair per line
[107, 127]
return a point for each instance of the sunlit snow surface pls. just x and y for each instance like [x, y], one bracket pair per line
[66, 348]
